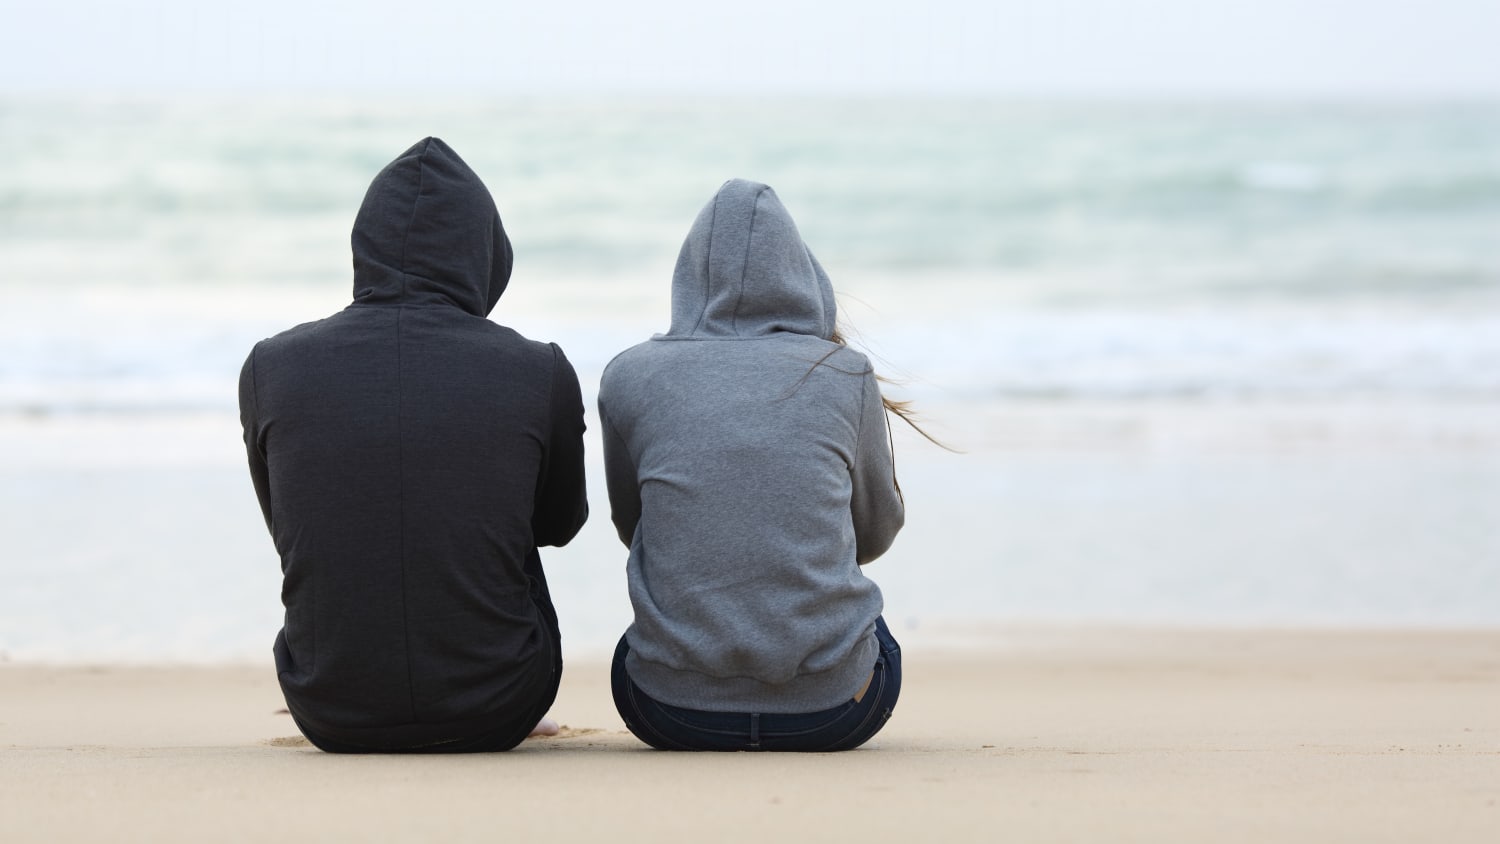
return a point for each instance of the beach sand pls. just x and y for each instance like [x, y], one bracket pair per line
[1038, 734]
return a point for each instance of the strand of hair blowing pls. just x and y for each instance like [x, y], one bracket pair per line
[901, 409]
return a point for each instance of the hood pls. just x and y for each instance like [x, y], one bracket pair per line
[429, 233]
[745, 272]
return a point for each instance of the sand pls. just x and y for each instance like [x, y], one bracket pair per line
[1043, 734]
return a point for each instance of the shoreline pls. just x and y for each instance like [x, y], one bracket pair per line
[1050, 733]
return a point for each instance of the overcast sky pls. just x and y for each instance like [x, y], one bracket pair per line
[1306, 48]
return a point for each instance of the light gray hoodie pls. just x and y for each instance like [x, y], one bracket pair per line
[750, 473]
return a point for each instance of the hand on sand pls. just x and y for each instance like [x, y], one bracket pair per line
[544, 727]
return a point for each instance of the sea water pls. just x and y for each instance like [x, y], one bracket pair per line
[1058, 284]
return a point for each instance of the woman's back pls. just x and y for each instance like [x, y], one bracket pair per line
[749, 470]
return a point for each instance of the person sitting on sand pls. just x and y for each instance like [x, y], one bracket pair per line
[750, 473]
[410, 456]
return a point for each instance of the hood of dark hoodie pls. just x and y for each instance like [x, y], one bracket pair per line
[745, 272]
[428, 233]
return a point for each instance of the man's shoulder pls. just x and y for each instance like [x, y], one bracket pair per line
[515, 343]
[506, 334]
[290, 339]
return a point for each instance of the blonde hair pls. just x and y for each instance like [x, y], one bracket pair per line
[901, 409]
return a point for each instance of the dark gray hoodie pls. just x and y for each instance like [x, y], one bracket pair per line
[750, 473]
[409, 456]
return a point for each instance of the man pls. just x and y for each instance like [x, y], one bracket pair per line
[410, 456]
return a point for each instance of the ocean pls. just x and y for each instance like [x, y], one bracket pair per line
[1164, 335]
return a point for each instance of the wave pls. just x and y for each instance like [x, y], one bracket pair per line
[122, 355]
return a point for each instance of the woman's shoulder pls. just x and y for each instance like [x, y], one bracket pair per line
[850, 358]
[628, 359]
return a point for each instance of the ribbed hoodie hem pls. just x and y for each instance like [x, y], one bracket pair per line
[804, 693]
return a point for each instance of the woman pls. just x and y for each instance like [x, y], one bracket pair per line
[751, 475]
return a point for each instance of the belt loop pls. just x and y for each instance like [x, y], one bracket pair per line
[755, 731]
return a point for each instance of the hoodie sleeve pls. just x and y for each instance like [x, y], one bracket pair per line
[562, 504]
[250, 424]
[877, 506]
[621, 478]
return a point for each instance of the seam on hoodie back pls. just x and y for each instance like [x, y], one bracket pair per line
[411, 693]
[708, 263]
[255, 399]
[259, 446]
[411, 689]
[734, 315]
[543, 470]
[859, 429]
[412, 220]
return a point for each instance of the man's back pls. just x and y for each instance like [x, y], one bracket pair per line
[410, 456]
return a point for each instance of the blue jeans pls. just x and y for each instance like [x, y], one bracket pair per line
[844, 727]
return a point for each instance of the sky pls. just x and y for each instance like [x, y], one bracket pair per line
[1391, 49]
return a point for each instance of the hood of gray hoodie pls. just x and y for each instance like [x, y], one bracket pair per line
[745, 272]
